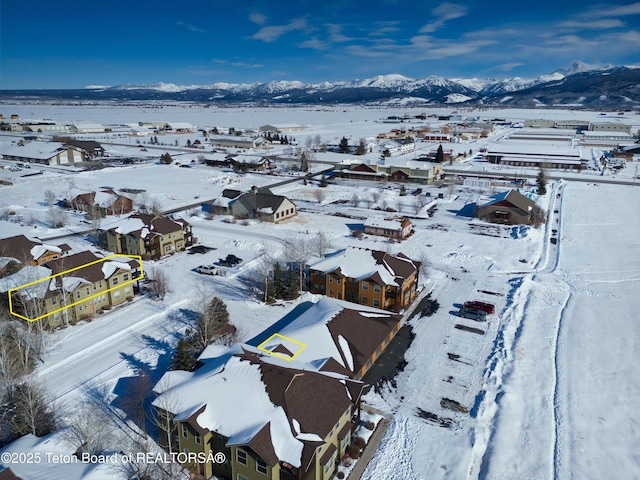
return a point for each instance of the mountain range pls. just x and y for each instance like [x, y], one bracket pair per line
[579, 86]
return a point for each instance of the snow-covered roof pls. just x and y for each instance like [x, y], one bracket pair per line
[357, 263]
[36, 150]
[24, 276]
[239, 413]
[38, 250]
[54, 446]
[379, 221]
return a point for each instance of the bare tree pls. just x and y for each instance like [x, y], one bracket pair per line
[160, 284]
[320, 244]
[214, 318]
[156, 208]
[265, 264]
[57, 217]
[31, 411]
[49, 198]
[355, 199]
[297, 251]
[375, 196]
[166, 405]
[90, 429]
[319, 195]
[419, 202]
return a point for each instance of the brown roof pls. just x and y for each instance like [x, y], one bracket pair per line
[261, 444]
[400, 264]
[92, 273]
[363, 334]
[315, 400]
[8, 475]
[19, 247]
[328, 454]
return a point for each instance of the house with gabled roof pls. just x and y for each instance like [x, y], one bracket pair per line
[510, 207]
[260, 203]
[146, 235]
[367, 277]
[25, 251]
[105, 202]
[392, 227]
[275, 409]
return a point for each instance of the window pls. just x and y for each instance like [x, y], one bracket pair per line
[88, 291]
[78, 294]
[338, 281]
[241, 457]
[241, 477]
[331, 291]
[95, 286]
[115, 280]
[376, 288]
[197, 438]
[125, 277]
[365, 285]
[364, 300]
[185, 431]
[330, 279]
[116, 295]
[376, 302]
[54, 300]
[261, 466]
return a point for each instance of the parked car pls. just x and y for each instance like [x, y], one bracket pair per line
[472, 314]
[553, 240]
[488, 308]
[233, 259]
[207, 270]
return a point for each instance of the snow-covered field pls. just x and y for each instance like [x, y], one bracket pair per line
[548, 388]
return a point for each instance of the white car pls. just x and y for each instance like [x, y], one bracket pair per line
[207, 270]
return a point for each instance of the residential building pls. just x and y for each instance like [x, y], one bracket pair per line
[260, 204]
[104, 202]
[146, 235]
[71, 288]
[278, 409]
[367, 277]
[30, 252]
[510, 207]
[398, 228]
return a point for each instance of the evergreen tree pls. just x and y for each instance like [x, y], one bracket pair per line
[304, 162]
[184, 358]
[166, 158]
[323, 181]
[542, 182]
[440, 154]
[344, 145]
[276, 289]
[361, 148]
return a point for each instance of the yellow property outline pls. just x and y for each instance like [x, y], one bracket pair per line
[102, 292]
[280, 355]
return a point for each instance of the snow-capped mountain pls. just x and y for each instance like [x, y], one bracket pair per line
[578, 85]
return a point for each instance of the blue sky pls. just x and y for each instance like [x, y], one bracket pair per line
[72, 44]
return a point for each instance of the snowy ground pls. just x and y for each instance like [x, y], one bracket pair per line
[548, 387]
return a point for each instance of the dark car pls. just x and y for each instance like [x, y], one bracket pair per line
[473, 314]
[233, 259]
[489, 308]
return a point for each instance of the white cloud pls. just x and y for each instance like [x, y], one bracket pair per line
[314, 44]
[272, 33]
[442, 13]
[608, 11]
[593, 25]
[258, 18]
[507, 67]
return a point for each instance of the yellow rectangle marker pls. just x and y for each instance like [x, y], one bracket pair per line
[102, 292]
[285, 339]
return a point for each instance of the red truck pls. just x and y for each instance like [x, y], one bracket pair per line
[488, 308]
